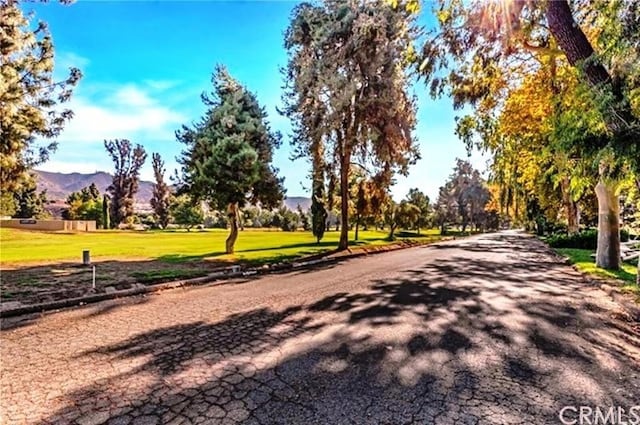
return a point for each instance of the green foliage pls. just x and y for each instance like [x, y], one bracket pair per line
[127, 161]
[106, 217]
[318, 217]
[7, 204]
[216, 220]
[583, 240]
[288, 220]
[420, 200]
[228, 156]
[28, 202]
[407, 215]
[161, 198]
[85, 210]
[549, 93]
[304, 219]
[347, 91]
[85, 204]
[587, 239]
[586, 264]
[463, 199]
[228, 153]
[30, 99]
[186, 211]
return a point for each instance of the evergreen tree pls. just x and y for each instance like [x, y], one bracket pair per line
[304, 219]
[318, 215]
[85, 205]
[29, 203]
[161, 198]
[106, 219]
[127, 161]
[30, 99]
[228, 154]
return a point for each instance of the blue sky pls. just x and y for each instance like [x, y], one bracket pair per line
[145, 64]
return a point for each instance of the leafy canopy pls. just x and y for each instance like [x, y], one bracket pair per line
[228, 153]
[30, 98]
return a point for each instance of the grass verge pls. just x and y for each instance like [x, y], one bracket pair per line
[583, 261]
[44, 266]
[20, 248]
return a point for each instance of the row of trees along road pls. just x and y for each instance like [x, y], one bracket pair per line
[554, 96]
[555, 99]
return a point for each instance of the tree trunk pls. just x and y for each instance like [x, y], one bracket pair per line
[579, 52]
[608, 252]
[344, 196]
[392, 231]
[638, 275]
[232, 214]
[357, 225]
[570, 207]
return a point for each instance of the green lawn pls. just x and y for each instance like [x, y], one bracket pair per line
[30, 247]
[586, 264]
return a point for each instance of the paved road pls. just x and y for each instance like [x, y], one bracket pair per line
[488, 330]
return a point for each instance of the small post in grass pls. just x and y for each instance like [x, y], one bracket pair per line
[86, 258]
[94, 278]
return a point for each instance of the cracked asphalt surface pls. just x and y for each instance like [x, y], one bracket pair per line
[487, 330]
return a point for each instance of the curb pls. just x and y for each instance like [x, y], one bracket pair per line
[217, 277]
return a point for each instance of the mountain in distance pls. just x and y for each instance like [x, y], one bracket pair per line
[60, 185]
[293, 202]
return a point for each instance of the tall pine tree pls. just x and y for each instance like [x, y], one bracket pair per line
[228, 154]
[161, 198]
[30, 98]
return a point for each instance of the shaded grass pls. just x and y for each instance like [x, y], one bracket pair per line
[583, 261]
[20, 247]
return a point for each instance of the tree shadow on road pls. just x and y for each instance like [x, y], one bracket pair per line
[457, 341]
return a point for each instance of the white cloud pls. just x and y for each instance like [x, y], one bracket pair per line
[131, 95]
[123, 111]
[66, 60]
[161, 85]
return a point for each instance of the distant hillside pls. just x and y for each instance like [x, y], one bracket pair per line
[293, 202]
[60, 185]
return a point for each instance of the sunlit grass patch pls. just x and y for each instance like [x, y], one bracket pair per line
[583, 261]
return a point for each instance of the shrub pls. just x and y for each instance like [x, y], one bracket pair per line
[587, 239]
